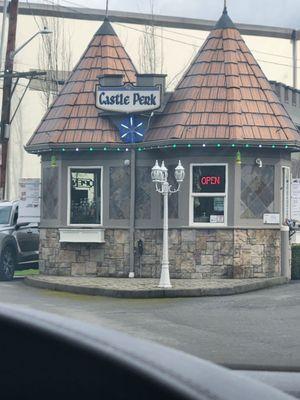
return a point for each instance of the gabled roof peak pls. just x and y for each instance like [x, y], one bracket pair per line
[106, 28]
[225, 21]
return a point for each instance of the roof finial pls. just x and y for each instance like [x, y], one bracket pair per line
[225, 6]
[106, 9]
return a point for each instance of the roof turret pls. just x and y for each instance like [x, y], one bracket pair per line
[224, 96]
[73, 117]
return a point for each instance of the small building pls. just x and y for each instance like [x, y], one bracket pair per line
[223, 121]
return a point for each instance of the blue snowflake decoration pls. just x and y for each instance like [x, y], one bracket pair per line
[132, 129]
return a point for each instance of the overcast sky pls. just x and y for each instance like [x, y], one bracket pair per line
[283, 13]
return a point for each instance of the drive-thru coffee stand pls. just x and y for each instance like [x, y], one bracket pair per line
[108, 126]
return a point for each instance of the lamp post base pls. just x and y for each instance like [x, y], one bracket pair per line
[165, 277]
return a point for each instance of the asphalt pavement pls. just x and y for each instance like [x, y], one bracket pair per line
[252, 330]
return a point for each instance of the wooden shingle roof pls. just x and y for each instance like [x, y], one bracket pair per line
[224, 95]
[73, 116]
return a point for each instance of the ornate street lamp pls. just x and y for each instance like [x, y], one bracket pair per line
[159, 175]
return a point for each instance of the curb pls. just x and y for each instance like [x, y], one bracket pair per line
[155, 293]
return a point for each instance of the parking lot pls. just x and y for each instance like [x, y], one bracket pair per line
[255, 329]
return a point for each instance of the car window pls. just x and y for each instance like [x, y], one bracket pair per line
[4, 215]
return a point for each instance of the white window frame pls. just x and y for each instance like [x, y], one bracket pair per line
[69, 196]
[213, 194]
[286, 193]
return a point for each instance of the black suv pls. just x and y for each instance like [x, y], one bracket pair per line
[19, 242]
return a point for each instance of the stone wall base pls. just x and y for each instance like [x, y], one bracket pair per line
[193, 253]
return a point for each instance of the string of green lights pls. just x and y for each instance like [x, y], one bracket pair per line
[174, 146]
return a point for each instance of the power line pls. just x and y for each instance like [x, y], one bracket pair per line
[174, 40]
[180, 72]
[34, 17]
[202, 38]
[81, 12]
[168, 30]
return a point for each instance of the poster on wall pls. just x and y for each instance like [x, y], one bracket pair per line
[295, 199]
[271, 218]
[29, 200]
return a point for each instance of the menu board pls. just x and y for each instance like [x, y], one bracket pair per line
[295, 199]
[29, 200]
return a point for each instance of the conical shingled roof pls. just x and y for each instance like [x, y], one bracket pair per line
[224, 95]
[73, 117]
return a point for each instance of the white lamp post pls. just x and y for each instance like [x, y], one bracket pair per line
[159, 175]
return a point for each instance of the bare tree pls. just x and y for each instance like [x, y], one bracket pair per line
[150, 47]
[55, 58]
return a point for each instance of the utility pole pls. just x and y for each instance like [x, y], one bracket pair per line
[7, 90]
[295, 58]
[3, 31]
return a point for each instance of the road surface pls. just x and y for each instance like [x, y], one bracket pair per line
[261, 328]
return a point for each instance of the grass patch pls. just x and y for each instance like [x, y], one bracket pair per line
[27, 272]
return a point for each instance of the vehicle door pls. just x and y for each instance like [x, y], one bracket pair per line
[27, 236]
[32, 233]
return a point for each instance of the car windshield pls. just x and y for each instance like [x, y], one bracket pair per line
[4, 215]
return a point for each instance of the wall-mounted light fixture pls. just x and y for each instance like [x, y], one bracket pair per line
[258, 162]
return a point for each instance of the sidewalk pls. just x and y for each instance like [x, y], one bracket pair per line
[148, 288]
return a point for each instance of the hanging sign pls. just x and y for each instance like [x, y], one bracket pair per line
[128, 98]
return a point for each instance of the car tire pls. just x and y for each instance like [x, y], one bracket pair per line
[7, 263]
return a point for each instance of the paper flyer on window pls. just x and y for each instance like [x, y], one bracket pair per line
[29, 200]
[295, 199]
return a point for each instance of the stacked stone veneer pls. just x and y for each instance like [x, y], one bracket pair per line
[212, 253]
[193, 253]
[83, 259]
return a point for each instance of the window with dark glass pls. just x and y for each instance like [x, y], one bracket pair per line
[294, 98]
[208, 194]
[85, 204]
[5, 215]
[286, 94]
[277, 90]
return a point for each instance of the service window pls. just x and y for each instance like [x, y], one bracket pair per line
[85, 196]
[208, 194]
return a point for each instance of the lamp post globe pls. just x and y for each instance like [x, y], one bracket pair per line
[179, 172]
[156, 173]
[164, 171]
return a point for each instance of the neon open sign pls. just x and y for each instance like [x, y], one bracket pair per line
[211, 180]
